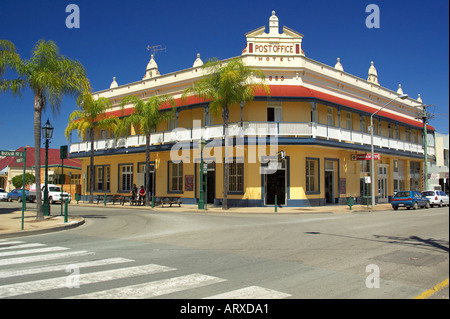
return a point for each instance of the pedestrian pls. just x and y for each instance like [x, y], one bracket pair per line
[142, 194]
[133, 193]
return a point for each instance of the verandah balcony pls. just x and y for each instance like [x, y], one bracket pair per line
[255, 129]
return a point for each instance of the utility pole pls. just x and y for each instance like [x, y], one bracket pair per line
[425, 145]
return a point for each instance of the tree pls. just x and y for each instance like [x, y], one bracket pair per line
[223, 86]
[17, 180]
[147, 116]
[88, 116]
[50, 76]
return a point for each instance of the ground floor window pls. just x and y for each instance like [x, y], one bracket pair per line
[236, 177]
[312, 175]
[175, 177]
[126, 177]
[101, 178]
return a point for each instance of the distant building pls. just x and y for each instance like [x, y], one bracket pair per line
[438, 170]
[71, 170]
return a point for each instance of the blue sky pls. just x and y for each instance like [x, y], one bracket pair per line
[411, 46]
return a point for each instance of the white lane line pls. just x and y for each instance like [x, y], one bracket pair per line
[32, 251]
[154, 288]
[22, 246]
[31, 259]
[39, 270]
[252, 292]
[83, 279]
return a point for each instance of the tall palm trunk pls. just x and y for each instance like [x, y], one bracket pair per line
[225, 115]
[37, 154]
[147, 168]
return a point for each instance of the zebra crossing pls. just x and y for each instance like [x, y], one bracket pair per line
[19, 276]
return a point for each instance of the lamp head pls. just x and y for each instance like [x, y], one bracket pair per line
[47, 130]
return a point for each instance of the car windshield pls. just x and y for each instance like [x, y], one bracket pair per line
[429, 193]
[402, 194]
[54, 189]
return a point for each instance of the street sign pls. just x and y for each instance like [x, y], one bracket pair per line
[365, 157]
[11, 153]
[19, 160]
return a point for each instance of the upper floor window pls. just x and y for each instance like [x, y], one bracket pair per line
[172, 123]
[348, 120]
[330, 119]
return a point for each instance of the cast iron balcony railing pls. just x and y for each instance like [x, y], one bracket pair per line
[255, 129]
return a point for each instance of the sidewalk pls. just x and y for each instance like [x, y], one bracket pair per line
[11, 223]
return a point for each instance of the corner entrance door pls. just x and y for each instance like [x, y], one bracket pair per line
[329, 182]
[275, 184]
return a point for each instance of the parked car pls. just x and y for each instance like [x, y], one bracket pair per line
[3, 194]
[16, 194]
[54, 193]
[409, 199]
[436, 197]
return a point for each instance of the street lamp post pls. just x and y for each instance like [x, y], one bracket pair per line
[47, 132]
[372, 161]
[201, 202]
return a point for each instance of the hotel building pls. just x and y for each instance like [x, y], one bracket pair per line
[317, 116]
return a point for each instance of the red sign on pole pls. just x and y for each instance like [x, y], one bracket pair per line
[365, 157]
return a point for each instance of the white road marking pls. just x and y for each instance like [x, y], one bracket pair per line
[84, 279]
[154, 288]
[22, 246]
[6, 243]
[252, 292]
[39, 270]
[31, 259]
[31, 251]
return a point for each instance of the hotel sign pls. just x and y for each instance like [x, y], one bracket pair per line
[365, 157]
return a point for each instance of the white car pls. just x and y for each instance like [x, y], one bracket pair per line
[438, 198]
[3, 194]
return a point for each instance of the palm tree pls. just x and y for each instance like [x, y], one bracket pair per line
[147, 116]
[88, 116]
[49, 75]
[224, 86]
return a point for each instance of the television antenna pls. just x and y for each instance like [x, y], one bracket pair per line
[156, 48]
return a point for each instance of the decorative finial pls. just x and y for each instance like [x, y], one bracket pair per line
[373, 75]
[113, 83]
[198, 62]
[400, 91]
[338, 65]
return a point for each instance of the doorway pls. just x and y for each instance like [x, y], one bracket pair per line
[275, 185]
[329, 182]
[383, 183]
[211, 183]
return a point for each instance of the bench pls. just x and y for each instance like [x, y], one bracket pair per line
[133, 201]
[115, 198]
[100, 198]
[171, 201]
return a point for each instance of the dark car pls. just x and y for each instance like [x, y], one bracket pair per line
[409, 199]
[16, 194]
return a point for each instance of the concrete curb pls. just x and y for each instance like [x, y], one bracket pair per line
[44, 230]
